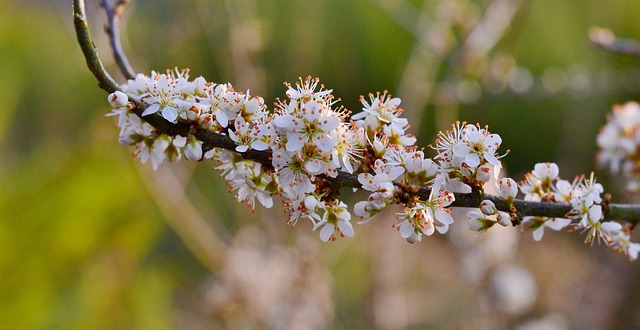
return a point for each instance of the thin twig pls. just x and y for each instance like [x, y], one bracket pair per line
[114, 14]
[606, 39]
[211, 139]
[168, 190]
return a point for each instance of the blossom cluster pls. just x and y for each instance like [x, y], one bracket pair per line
[619, 142]
[307, 140]
[199, 103]
[584, 195]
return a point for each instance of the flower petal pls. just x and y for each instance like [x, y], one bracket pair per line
[326, 232]
[346, 228]
[444, 217]
[151, 109]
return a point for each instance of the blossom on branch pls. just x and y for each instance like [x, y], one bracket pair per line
[619, 142]
[297, 152]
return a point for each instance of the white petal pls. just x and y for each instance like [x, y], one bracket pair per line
[179, 141]
[443, 229]
[295, 142]
[491, 158]
[359, 115]
[170, 113]
[221, 118]
[406, 229]
[326, 232]
[325, 144]
[595, 213]
[611, 227]
[395, 172]
[474, 223]
[151, 109]
[444, 217]
[362, 209]
[259, 145]
[633, 251]
[265, 199]
[537, 234]
[313, 167]
[557, 223]
[429, 229]
[347, 164]
[461, 149]
[331, 123]
[472, 160]
[234, 136]
[346, 228]
[283, 122]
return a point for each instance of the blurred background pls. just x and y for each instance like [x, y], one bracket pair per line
[91, 239]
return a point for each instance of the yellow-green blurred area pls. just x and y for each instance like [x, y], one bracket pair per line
[91, 239]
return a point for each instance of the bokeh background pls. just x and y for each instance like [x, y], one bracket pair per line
[91, 239]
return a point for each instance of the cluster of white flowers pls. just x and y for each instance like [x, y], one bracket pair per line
[468, 156]
[308, 140]
[199, 103]
[584, 195]
[619, 142]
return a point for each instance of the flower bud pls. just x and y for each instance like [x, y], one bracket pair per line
[379, 147]
[377, 201]
[206, 121]
[507, 189]
[193, 113]
[363, 209]
[386, 189]
[504, 219]
[193, 149]
[475, 225]
[484, 173]
[478, 222]
[118, 99]
[546, 171]
[488, 208]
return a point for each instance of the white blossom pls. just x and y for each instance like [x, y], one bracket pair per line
[335, 219]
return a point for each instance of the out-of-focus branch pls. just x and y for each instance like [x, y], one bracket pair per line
[168, 190]
[211, 139]
[90, 50]
[114, 14]
[494, 24]
[607, 40]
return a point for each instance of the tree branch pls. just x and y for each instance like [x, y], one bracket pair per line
[211, 139]
[606, 39]
[114, 13]
[90, 50]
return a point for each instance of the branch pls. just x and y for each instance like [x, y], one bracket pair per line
[90, 50]
[606, 39]
[211, 139]
[624, 212]
[114, 13]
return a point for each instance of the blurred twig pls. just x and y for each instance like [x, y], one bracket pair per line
[244, 39]
[607, 40]
[168, 191]
[114, 14]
